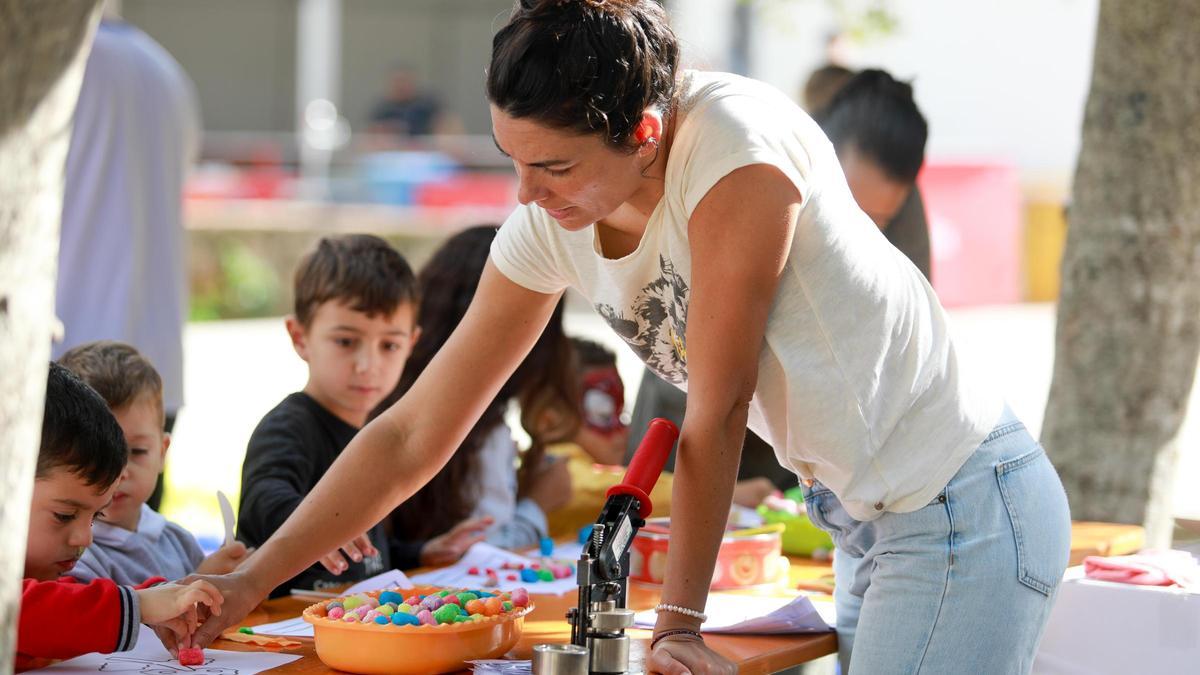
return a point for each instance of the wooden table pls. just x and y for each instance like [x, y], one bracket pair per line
[754, 654]
[1091, 538]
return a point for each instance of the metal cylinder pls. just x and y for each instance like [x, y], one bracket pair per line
[613, 620]
[552, 659]
[609, 654]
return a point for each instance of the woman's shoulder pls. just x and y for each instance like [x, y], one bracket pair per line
[707, 97]
[728, 121]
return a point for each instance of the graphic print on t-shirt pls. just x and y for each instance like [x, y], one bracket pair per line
[656, 331]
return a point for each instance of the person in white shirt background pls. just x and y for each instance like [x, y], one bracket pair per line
[122, 272]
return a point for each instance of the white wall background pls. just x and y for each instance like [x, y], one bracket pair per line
[996, 79]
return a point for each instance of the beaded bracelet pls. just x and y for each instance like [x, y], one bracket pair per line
[677, 609]
[675, 631]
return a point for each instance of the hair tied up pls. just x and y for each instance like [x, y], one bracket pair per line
[533, 5]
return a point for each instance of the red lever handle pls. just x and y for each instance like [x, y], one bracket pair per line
[647, 464]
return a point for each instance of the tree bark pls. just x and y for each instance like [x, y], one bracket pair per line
[44, 47]
[1128, 329]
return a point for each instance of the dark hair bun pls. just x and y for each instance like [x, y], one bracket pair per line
[592, 66]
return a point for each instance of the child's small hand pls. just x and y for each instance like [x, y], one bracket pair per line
[551, 486]
[449, 547]
[751, 492]
[173, 607]
[361, 547]
[225, 560]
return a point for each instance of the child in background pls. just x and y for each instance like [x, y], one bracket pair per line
[80, 461]
[480, 479]
[594, 454]
[354, 326]
[131, 540]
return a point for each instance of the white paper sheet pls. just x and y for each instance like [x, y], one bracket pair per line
[728, 613]
[150, 657]
[501, 667]
[381, 582]
[567, 551]
[298, 627]
[483, 556]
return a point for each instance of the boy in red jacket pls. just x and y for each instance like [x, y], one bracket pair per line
[80, 462]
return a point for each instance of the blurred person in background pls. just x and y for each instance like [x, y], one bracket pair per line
[880, 135]
[408, 111]
[122, 271]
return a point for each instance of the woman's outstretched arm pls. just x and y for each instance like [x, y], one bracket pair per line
[393, 456]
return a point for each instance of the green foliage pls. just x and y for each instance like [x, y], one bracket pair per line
[246, 285]
[858, 20]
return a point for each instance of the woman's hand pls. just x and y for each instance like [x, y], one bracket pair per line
[242, 594]
[446, 549]
[687, 656]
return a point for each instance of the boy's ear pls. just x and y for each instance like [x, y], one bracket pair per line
[416, 335]
[166, 444]
[299, 335]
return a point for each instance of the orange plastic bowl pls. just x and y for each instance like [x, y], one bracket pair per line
[371, 649]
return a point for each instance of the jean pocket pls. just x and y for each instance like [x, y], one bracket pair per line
[1036, 507]
[812, 505]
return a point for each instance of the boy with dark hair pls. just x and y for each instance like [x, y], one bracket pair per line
[131, 540]
[80, 461]
[354, 324]
[879, 134]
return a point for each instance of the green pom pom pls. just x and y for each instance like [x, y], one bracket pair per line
[446, 613]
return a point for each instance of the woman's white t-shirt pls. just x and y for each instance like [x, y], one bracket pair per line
[859, 385]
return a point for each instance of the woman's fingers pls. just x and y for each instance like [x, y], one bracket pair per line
[662, 662]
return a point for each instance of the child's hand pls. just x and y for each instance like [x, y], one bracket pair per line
[449, 547]
[606, 448]
[751, 492]
[225, 560]
[361, 547]
[551, 486]
[173, 606]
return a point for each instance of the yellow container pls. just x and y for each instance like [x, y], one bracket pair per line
[1045, 237]
[371, 649]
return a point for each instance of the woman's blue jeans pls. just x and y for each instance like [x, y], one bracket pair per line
[963, 585]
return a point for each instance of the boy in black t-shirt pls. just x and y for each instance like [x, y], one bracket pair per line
[354, 325]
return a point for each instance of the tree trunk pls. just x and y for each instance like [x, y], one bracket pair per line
[1129, 314]
[44, 47]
